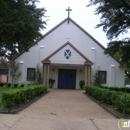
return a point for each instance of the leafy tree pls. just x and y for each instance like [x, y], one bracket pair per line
[115, 20]
[14, 71]
[3, 63]
[20, 25]
[38, 75]
[97, 81]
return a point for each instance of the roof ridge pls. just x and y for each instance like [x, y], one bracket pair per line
[57, 27]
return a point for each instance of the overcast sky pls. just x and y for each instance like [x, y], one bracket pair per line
[82, 15]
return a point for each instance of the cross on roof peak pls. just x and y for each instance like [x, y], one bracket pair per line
[68, 12]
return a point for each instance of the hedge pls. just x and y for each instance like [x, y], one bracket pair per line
[19, 96]
[122, 89]
[109, 97]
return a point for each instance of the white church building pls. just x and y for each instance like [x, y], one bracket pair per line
[69, 54]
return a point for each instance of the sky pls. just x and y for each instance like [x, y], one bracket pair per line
[82, 15]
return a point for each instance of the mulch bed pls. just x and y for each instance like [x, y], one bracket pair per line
[111, 109]
[20, 107]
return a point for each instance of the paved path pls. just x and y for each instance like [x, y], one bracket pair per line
[61, 110]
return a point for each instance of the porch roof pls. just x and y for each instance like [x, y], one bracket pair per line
[47, 59]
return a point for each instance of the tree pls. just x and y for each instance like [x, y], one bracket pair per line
[38, 75]
[115, 20]
[20, 25]
[14, 71]
[96, 80]
[3, 63]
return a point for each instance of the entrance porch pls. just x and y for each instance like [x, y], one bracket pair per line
[75, 65]
[66, 76]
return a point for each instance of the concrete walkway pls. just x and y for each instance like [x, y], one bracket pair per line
[61, 110]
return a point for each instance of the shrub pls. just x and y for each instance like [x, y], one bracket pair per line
[84, 87]
[8, 99]
[122, 89]
[1, 84]
[51, 82]
[96, 77]
[22, 85]
[9, 85]
[19, 96]
[81, 84]
[110, 97]
[15, 85]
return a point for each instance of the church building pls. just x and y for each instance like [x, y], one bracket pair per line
[69, 54]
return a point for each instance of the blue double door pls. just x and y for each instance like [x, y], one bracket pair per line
[66, 79]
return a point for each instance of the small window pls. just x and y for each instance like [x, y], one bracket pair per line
[30, 74]
[103, 76]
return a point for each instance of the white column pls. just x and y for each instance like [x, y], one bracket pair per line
[21, 70]
[93, 57]
[48, 74]
[41, 54]
[112, 75]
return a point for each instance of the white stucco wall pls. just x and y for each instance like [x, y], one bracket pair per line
[70, 32]
[74, 59]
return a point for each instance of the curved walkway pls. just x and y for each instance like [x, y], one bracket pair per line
[61, 110]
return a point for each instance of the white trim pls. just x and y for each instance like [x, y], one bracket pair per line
[112, 65]
[42, 46]
[21, 62]
[93, 48]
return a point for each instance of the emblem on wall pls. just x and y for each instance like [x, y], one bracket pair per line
[67, 54]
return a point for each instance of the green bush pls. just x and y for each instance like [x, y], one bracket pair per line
[15, 85]
[51, 82]
[22, 85]
[9, 85]
[81, 84]
[110, 97]
[19, 96]
[119, 89]
[1, 84]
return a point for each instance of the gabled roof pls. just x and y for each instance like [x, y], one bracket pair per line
[26, 51]
[78, 27]
[57, 27]
[87, 61]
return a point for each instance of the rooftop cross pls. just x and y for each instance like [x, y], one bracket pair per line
[68, 12]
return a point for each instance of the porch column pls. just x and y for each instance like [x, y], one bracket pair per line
[85, 75]
[46, 71]
[48, 74]
[89, 74]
